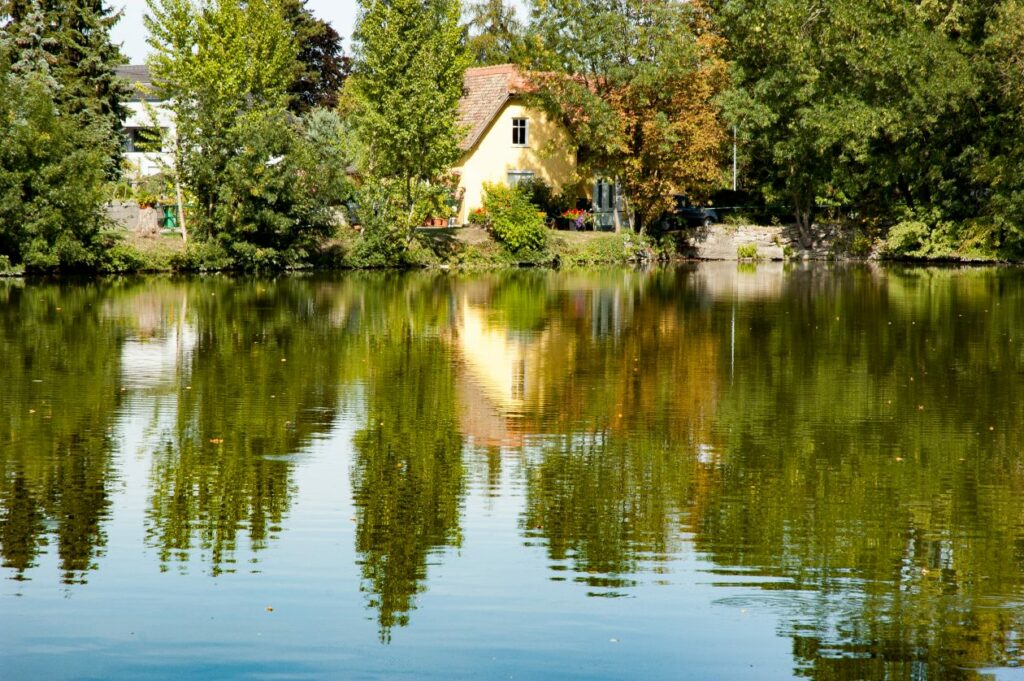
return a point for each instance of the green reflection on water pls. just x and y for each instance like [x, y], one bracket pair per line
[843, 447]
[60, 361]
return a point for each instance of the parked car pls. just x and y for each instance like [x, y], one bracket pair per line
[686, 214]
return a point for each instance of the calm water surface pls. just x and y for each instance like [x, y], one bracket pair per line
[702, 473]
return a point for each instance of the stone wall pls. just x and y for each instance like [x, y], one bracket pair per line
[134, 218]
[723, 242]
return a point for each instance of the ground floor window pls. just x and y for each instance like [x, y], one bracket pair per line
[517, 177]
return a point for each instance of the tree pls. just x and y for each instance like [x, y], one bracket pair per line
[53, 164]
[227, 67]
[999, 167]
[323, 64]
[410, 57]
[82, 59]
[496, 34]
[839, 102]
[635, 83]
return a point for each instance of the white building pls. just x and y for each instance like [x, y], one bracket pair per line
[149, 127]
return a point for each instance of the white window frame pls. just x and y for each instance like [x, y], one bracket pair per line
[516, 177]
[526, 131]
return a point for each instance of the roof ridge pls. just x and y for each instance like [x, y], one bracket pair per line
[493, 69]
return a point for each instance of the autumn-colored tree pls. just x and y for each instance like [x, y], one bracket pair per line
[635, 83]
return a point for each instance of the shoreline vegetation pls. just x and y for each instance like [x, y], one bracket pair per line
[857, 130]
[473, 248]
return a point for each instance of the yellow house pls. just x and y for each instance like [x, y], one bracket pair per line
[507, 141]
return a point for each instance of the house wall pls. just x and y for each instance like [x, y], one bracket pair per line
[549, 155]
[148, 115]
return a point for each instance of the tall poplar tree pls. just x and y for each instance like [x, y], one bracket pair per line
[409, 60]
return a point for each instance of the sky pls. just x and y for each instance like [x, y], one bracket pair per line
[131, 33]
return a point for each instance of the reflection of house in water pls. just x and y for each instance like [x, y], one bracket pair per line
[159, 346]
[507, 373]
[496, 384]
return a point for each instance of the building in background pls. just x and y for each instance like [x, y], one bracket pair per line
[149, 127]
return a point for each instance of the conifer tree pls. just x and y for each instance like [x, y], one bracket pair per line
[75, 36]
[52, 165]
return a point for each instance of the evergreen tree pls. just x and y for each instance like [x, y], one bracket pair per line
[83, 60]
[324, 65]
[52, 165]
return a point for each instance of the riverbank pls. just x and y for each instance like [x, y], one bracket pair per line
[474, 248]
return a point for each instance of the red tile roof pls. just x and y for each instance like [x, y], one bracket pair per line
[488, 88]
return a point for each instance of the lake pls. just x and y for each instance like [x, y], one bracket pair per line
[706, 472]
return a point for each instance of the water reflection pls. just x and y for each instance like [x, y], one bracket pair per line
[251, 394]
[60, 364]
[840, 447]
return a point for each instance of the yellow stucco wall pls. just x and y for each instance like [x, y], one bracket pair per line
[548, 154]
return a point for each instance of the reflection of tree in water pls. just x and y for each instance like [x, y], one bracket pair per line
[860, 472]
[408, 473]
[635, 402]
[61, 365]
[261, 385]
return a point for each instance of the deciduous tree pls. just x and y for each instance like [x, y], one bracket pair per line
[409, 61]
[226, 68]
[496, 35]
[635, 82]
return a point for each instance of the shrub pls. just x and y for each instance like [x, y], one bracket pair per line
[513, 220]
[202, 256]
[906, 239]
[747, 252]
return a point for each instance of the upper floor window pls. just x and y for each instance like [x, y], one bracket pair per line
[142, 140]
[520, 132]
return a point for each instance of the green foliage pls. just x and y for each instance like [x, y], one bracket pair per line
[403, 97]
[202, 256]
[747, 252]
[855, 105]
[52, 165]
[271, 214]
[513, 220]
[265, 184]
[605, 249]
[496, 36]
[73, 36]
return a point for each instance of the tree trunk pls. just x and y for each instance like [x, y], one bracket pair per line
[181, 211]
[804, 221]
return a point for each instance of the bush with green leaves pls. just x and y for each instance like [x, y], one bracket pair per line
[273, 203]
[513, 220]
[747, 252]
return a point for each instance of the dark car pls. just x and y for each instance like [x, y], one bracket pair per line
[685, 214]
